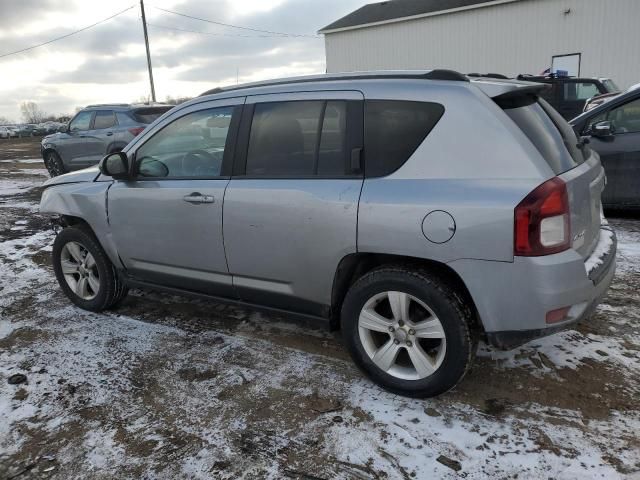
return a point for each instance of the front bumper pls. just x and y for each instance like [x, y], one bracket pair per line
[513, 299]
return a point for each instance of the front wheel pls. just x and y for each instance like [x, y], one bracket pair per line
[54, 164]
[84, 272]
[408, 331]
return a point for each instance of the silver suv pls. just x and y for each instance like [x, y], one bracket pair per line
[94, 132]
[418, 212]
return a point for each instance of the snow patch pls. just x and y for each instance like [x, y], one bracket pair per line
[605, 242]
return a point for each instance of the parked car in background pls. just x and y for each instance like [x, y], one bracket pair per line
[5, 132]
[568, 95]
[13, 131]
[605, 97]
[350, 198]
[95, 131]
[613, 129]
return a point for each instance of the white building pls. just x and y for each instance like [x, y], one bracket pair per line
[601, 37]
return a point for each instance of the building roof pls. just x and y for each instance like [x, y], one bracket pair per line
[394, 10]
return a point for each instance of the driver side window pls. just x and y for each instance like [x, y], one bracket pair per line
[625, 118]
[81, 122]
[191, 146]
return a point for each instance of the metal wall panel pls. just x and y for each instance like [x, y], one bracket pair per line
[511, 38]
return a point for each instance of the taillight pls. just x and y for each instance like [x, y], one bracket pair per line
[135, 131]
[542, 221]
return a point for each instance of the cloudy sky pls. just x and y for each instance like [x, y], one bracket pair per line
[107, 63]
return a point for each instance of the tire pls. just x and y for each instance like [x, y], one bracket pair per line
[436, 327]
[54, 164]
[95, 285]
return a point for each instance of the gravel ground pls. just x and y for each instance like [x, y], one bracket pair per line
[169, 387]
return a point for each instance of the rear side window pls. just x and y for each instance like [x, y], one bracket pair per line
[104, 119]
[393, 130]
[298, 138]
[550, 134]
[576, 91]
[148, 115]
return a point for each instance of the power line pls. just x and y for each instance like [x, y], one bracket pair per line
[216, 34]
[282, 34]
[67, 35]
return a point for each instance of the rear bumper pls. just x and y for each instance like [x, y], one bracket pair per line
[513, 299]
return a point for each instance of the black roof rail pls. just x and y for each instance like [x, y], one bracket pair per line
[107, 105]
[438, 74]
[443, 74]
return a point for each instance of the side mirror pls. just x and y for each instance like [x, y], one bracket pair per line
[115, 165]
[603, 130]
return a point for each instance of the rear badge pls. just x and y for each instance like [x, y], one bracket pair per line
[578, 239]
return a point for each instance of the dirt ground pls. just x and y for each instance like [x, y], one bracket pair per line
[168, 387]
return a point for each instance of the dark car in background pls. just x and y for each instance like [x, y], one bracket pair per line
[613, 128]
[568, 95]
[94, 132]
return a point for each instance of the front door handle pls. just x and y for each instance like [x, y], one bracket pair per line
[197, 198]
[109, 134]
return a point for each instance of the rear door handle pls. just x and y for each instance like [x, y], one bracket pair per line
[197, 198]
[109, 134]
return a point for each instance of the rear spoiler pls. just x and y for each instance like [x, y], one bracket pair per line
[520, 96]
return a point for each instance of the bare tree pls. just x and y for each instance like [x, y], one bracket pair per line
[31, 112]
[5, 121]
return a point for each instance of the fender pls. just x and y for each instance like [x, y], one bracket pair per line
[86, 201]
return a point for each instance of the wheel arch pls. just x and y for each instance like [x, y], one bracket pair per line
[355, 265]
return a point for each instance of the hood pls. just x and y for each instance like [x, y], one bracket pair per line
[84, 175]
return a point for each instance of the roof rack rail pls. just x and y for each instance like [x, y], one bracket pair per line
[443, 74]
[108, 105]
[438, 74]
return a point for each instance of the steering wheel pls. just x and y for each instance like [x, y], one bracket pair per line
[200, 163]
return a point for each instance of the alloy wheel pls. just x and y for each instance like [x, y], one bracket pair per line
[80, 270]
[401, 335]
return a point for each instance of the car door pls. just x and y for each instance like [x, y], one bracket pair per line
[100, 136]
[290, 210]
[71, 145]
[620, 153]
[167, 221]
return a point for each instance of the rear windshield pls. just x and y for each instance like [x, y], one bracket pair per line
[148, 115]
[550, 134]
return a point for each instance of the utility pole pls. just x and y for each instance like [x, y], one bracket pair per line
[146, 43]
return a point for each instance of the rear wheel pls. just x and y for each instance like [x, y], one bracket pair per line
[408, 331]
[54, 164]
[84, 272]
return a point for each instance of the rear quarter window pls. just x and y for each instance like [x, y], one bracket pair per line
[393, 130]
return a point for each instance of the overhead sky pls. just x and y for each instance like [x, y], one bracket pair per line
[107, 63]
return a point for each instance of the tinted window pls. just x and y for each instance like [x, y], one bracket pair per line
[81, 121]
[148, 115]
[393, 130]
[104, 119]
[550, 134]
[191, 146]
[298, 138]
[124, 119]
